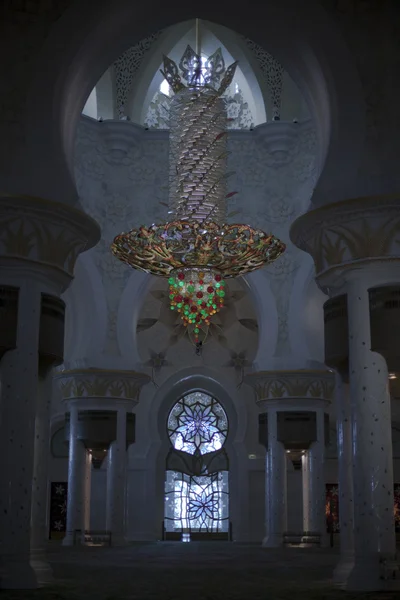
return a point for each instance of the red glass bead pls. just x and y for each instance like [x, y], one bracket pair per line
[193, 308]
[210, 289]
[203, 305]
[198, 318]
[178, 299]
[218, 277]
[201, 281]
[199, 294]
[181, 276]
[186, 300]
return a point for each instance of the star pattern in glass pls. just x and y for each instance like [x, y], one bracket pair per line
[197, 424]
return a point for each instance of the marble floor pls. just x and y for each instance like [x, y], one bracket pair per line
[191, 571]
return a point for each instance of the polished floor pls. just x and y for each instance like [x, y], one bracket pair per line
[191, 571]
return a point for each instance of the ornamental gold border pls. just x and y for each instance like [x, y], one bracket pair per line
[147, 249]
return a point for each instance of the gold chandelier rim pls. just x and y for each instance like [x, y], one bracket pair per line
[138, 249]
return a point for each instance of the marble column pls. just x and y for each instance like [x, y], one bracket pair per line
[19, 385]
[374, 532]
[316, 481]
[40, 482]
[79, 463]
[275, 486]
[345, 476]
[116, 482]
[305, 468]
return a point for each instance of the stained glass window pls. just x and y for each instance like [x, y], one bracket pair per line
[197, 424]
[197, 504]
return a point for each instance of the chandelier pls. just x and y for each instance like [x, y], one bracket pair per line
[196, 250]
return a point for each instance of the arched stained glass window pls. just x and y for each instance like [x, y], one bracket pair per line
[197, 424]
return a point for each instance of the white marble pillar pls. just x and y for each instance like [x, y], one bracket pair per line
[317, 480]
[305, 469]
[275, 486]
[40, 482]
[116, 483]
[374, 533]
[19, 385]
[345, 473]
[79, 464]
[314, 518]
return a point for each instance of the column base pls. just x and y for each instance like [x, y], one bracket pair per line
[69, 540]
[118, 540]
[17, 575]
[374, 573]
[325, 540]
[343, 569]
[274, 540]
[41, 566]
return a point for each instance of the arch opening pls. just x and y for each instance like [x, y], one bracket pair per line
[196, 505]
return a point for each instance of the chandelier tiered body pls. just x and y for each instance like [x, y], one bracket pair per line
[196, 250]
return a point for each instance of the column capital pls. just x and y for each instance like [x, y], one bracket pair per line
[42, 236]
[100, 388]
[350, 235]
[292, 390]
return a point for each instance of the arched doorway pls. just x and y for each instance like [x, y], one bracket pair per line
[196, 502]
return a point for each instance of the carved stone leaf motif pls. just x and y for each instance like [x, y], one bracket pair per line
[311, 386]
[359, 239]
[16, 240]
[369, 241]
[51, 242]
[238, 360]
[216, 332]
[103, 387]
[157, 360]
[178, 333]
[277, 390]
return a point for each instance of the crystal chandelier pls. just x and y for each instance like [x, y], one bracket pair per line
[196, 250]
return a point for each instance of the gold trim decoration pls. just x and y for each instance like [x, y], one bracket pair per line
[303, 384]
[351, 231]
[45, 232]
[101, 383]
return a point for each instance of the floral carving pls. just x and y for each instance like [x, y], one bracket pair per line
[353, 230]
[270, 385]
[97, 383]
[44, 231]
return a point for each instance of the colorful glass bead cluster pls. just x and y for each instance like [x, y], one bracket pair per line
[197, 295]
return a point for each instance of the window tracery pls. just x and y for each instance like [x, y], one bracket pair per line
[197, 501]
[197, 424]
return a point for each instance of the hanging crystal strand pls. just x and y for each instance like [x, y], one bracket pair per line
[198, 153]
